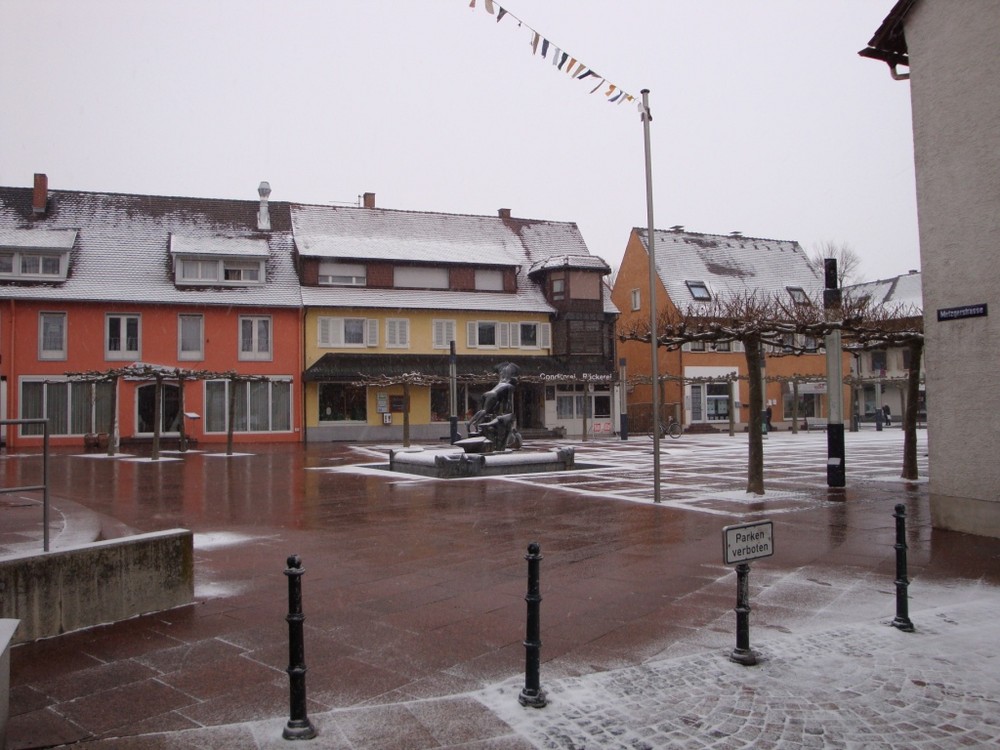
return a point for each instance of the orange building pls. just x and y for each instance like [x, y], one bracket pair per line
[97, 282]
[700, 382]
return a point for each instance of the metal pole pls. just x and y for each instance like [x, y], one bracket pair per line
[45, 485]
[298, 727]
[902, 619]
[453, 391]
[623, 400]
[532, 693]
[651, 246]
[836, 473]
[742, 653]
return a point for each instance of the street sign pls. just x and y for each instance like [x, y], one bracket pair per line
[747, 541]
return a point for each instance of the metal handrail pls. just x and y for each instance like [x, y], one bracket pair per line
[44, 486]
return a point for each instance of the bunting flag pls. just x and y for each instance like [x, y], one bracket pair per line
[563, 61]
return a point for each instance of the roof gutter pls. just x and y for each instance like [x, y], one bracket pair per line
[889, 42]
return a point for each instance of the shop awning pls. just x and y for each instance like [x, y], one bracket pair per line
[350, 367]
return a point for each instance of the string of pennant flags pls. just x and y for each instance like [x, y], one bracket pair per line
[562, 60]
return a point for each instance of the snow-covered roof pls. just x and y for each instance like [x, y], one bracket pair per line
[587, 262]
[355, 233]
[37, 239]
[121, 248]
[418, 237]
[729, 265]
[229, 246]
[905, 290]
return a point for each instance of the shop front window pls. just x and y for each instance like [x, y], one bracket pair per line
[342, 402]
[441, 402]
[808, 405]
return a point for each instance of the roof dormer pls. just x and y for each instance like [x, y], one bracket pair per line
[35, 254]
[218, 260]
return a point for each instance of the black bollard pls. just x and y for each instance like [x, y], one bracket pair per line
[742, 653]
[532, 693]
[299, 727]
[902, 619]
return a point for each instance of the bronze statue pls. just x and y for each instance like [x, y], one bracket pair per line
[495, 419]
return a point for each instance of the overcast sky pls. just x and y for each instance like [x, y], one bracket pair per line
[765, 120]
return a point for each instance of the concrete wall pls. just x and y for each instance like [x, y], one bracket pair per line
[68, 589]
[955, 94]
[7, 628]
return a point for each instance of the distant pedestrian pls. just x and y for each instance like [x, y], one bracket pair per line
[767, 418]
[888, 415]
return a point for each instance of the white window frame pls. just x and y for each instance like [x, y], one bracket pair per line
[194, 271]
[501, 334]
[342, 274]
[442, 333]
[190, 355]
[18, 259]
[636, 296]
[331, 332]
[224, 386]
[123, 353]
[257, 351]
[798, 294]
[43, 352]
[241, 271]
[397, 333]
[543, 335]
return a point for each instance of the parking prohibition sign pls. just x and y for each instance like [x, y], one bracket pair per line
[747, 541]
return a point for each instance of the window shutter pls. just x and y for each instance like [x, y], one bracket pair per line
[336, 331]
[515, 335]
[403, 333]
[323, 337]
[472, 334]
[503, 335]
[545, 335]
[372, 325]
[392, 333]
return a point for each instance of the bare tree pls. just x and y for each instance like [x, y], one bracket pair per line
[756, 320]
[848, 261]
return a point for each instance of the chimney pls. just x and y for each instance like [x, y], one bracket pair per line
[263, 216]
[504, 213]
[369, 200]
[40, 198]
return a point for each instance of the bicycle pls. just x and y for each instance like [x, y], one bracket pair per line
[672, 428]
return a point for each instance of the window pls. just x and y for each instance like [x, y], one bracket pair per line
[443, 333]
[190, 337]
[397, 333]
[420, 277]
[799, 296]
[71, 408]
[722, 346]
[342, 402]
[879, 361]
[699, 290]
[346, 332]
[122, 337]
[487, 334]
[531, 335]
[489, 280]
[636, 299]
[52, 335]
[696, 346]
[37, 254]
[258, 405]
[244, 272]
[199, 270]
[214, 271]
[559, 288]
[441, 403]
[343, 274]
[255, 338]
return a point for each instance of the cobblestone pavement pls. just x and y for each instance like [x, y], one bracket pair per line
[414, 600]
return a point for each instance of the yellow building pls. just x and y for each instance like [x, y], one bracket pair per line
[385, 293]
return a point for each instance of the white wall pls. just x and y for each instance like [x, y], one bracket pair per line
[954, 52]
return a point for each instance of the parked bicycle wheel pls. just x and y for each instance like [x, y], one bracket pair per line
[674, 430]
